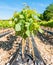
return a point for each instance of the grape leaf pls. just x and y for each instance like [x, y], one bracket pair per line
[28, 33]
[17, 27]
[40, 30]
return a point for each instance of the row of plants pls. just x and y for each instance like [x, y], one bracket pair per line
[47, 23]
[6, 24]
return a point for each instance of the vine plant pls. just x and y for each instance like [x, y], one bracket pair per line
[25, 23]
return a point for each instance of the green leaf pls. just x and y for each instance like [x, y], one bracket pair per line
[21, 16]
[28, 33]
[40, 30]
[17, 27]
[27, 24]
[31, 20]
[15, 19]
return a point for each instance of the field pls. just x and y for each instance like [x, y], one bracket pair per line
[9, 46]
[27, 38]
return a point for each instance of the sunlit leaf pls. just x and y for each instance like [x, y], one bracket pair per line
[40, 30]
[17, 27]
[28, 33]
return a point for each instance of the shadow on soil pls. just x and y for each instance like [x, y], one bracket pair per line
[7, 45]
[45, 39]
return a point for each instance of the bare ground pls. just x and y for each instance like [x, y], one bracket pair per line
[46, 50]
